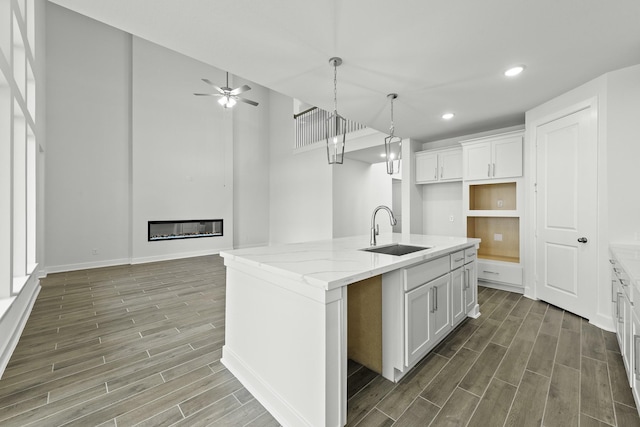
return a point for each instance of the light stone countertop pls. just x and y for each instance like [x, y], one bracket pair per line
[329, 264]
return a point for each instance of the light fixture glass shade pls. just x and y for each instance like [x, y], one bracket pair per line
[227, 102]
[336, 133]
[393, 144]
[393, 153]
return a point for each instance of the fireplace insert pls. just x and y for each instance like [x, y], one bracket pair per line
[185, 229]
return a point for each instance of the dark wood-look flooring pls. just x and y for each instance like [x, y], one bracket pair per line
[141, 345]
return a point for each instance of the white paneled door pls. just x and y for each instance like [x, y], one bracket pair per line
[566, 255]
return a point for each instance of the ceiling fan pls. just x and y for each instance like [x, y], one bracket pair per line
[228, 96]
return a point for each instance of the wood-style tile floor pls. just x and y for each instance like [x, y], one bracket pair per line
[141, 345]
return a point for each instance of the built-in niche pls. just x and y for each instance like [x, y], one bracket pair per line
[186, 229]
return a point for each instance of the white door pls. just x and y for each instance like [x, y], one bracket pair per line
[567, 212]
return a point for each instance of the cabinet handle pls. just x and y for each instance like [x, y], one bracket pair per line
[613, 290]
[435, 173]
[490, 272]
[458, 259]
[433, 300]
[436, 298]
[636, 339]
[622, 282]
[466, 279]
[489, 170]
[471, 255]
[494, 169]
[620, 320]
[612, 262]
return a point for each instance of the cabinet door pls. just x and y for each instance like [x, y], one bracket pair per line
[635, 372]
[507, 158]
[477, 161]
[450, 163]
[418, 307]
[458, 289]
[441, 316]
[628, 337]
[471, 286]
[426, 167]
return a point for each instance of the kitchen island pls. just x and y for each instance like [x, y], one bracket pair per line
[286, 315]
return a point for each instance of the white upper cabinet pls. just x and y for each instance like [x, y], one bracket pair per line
[498, 156]
[439, 166]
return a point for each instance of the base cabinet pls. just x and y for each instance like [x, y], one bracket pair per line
[423, 303]
[426, 317]
[470, 286]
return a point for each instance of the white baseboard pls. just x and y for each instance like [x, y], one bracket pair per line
[278, 407]
[168, 257]
[15, 318]
[83, 266]
[501, 286]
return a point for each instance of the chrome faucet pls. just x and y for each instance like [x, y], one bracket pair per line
[374, 227]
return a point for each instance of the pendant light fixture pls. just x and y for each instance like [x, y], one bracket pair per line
[336, 125]
[393, 144]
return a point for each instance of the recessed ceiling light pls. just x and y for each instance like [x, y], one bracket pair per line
[514, 71]
[448, 116]
[383, 155]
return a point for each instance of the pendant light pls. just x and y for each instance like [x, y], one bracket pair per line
[336, 125]
[393, 153]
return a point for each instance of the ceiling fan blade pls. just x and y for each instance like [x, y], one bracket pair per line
[208, 94]
[207, 81]
[239, 90]
[246, 101]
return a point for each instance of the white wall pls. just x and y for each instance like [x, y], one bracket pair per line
[440, 201]
[623, 153]
[87, 152]
[300, 188]
[182, 157]
[251, 168]
[357, 189]
[128, 142]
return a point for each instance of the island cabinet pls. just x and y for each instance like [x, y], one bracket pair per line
[295, 314]
[422, 304]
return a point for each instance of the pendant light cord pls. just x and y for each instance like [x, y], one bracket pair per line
[392, 128]
[335, 87]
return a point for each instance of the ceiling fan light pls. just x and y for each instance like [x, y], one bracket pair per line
[231, 102]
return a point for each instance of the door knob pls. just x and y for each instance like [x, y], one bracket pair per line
[582, 240]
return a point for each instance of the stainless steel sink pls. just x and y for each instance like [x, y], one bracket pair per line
[395, 249]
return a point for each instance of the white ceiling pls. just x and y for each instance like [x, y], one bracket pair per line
[437, 55]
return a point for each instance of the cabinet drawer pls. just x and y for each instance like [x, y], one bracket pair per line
[425, 272]
[494, 272]
[457, 259]
[470, 255]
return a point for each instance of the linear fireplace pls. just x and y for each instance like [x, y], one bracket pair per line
[187, 229]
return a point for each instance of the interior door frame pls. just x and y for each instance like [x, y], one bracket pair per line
[547, 113]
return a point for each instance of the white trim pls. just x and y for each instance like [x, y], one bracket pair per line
[83, 266]
[168, 257]
[13, 321]
[284, 413]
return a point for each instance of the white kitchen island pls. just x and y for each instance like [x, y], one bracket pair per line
[286, 315]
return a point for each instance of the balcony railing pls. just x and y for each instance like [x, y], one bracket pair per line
[310, 126]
